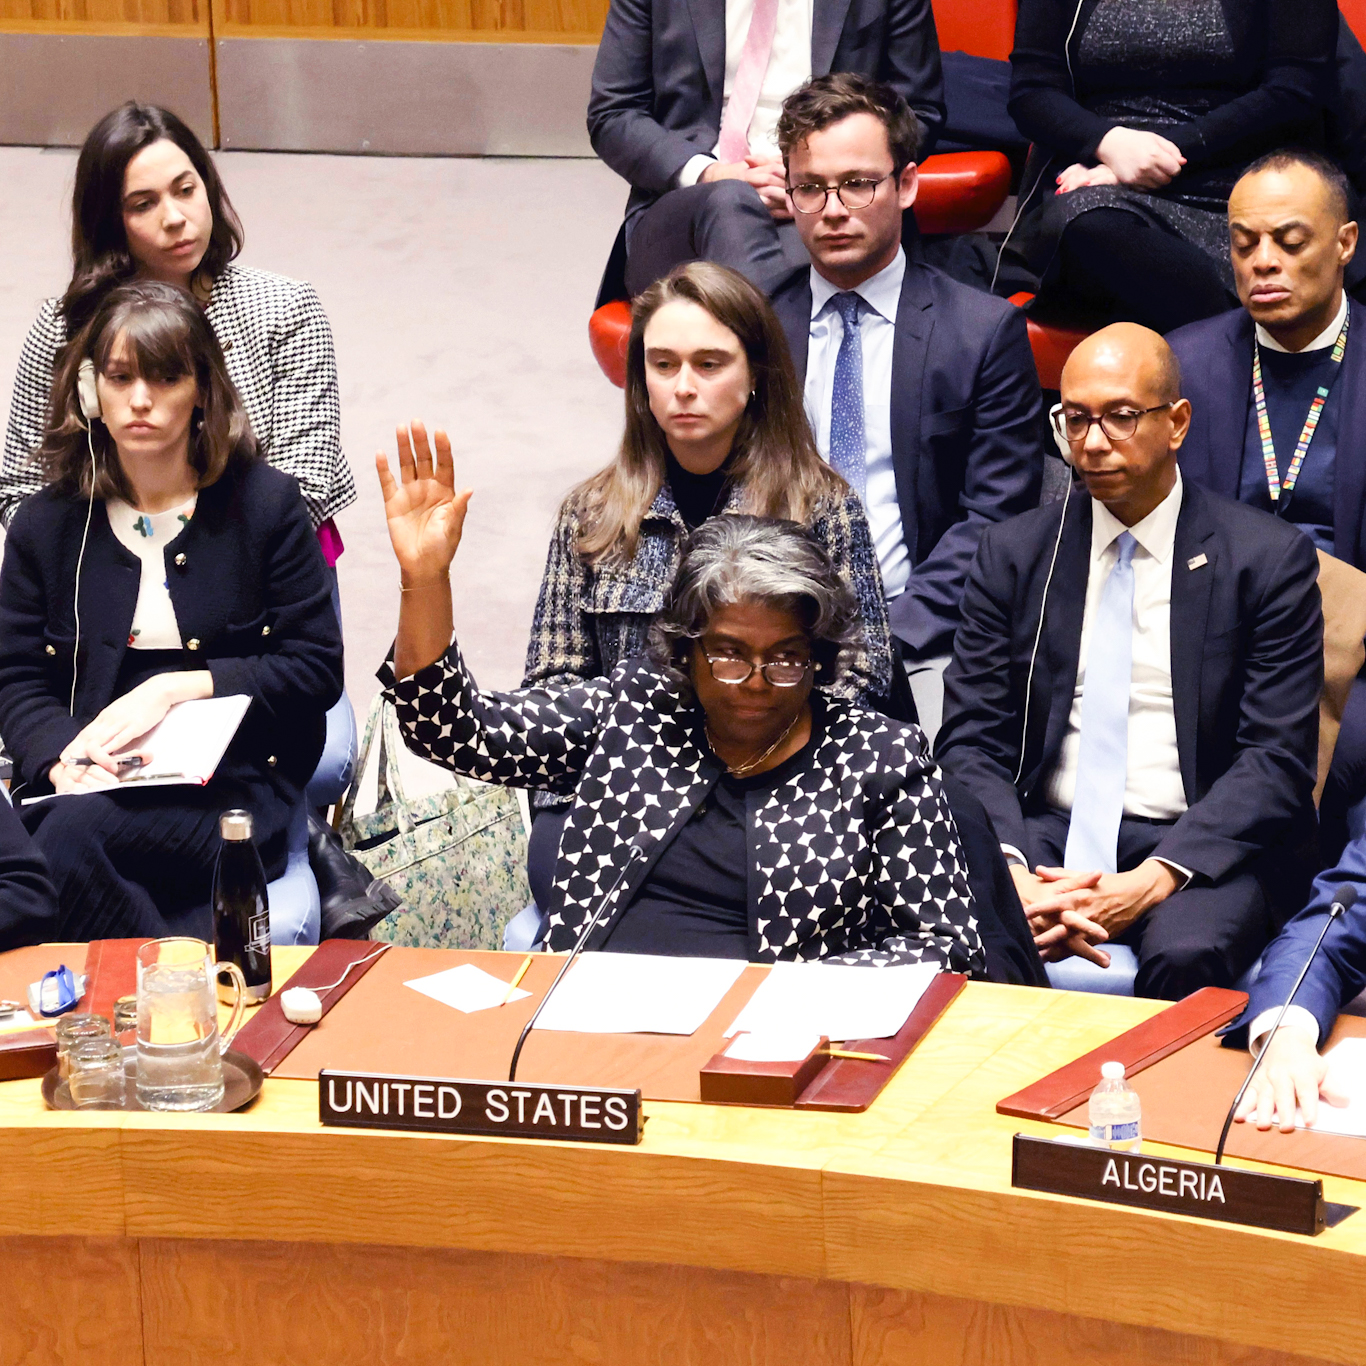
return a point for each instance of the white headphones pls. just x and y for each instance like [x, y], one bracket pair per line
[88, 395]
[86, 390]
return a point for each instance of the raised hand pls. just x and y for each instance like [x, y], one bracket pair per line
[425, 513]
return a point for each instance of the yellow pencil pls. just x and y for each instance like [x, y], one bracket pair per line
[857, 1057]
[521, 972]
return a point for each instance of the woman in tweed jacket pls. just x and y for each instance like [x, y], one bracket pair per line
[148, 204]
[616, 544]
[768, 820]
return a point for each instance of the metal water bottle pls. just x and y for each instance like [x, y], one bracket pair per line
[241, 908]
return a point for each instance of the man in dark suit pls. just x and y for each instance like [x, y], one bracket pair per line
[1279, 390]
[1134, 691]
[922, 392]
[684, 104]
[1294, 1072]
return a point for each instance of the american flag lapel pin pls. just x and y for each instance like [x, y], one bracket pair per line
[1196, 561]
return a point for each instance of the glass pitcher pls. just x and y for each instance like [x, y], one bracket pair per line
[180, 1050]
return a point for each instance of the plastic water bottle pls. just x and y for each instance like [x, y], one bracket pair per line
[1115, 1111]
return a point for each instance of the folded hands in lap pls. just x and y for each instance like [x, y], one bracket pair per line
[1071, 912]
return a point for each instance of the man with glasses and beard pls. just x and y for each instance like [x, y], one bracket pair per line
[1134, 692]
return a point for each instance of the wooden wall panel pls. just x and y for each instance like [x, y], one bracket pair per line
[242, 1304]
[153, 16]
[70, 1302]
[902, 1328]
[499, 20]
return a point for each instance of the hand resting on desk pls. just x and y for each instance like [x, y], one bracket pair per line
[1294, 1073]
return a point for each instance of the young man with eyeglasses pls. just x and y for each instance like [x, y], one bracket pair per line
[922, 391]
[1134, 693]
[684, 102]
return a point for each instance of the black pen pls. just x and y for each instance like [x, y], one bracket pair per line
[134, 761]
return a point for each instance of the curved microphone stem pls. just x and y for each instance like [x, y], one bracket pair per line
[635, 853]
[1335, 910]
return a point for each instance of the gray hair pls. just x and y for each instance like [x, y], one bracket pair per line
[737, 558]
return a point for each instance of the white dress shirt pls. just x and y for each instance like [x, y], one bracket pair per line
[877, 324]
[1154, 787]
[1325, 338]
[789, 65]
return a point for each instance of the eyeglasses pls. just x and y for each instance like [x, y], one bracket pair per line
[853, 194]
[780, 673]
[1073, 425]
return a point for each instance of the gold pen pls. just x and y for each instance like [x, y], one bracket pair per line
[521, 972]
[857, 1057]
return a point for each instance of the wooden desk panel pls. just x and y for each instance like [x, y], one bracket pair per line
[722, 1231]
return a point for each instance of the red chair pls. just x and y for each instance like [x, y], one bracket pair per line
[959, 192]
[1051, 344]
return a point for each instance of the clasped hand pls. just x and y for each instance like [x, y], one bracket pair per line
[767, 175]
[1071, 912]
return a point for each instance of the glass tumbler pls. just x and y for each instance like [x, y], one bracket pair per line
[74, 1029]
[97, 1079]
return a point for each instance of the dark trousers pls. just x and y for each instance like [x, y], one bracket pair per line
[725, 222]
[1202, 936]
[139, 865]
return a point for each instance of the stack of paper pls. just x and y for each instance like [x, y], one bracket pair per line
[799, 1001]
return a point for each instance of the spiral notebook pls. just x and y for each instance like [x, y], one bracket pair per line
[186, 746]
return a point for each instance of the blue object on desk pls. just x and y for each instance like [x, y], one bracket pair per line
[66, 994]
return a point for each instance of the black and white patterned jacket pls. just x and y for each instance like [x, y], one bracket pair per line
[278, 348]
[855, 858]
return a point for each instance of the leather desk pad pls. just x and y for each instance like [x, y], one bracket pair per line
[1186, 1096]
[383, 1026]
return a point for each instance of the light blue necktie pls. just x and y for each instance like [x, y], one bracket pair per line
[848, 444]
[1103, 756]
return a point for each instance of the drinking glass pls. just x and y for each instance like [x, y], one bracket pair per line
[97, 1079]
[73, 1029]
[180, 1051]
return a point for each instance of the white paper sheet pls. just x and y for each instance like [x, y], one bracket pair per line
[467, 988]
[834, 999]
[639, 993]
[788, 1046]
[1347, 1071]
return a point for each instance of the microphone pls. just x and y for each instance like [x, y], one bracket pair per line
[636, 851]
[1342, 902]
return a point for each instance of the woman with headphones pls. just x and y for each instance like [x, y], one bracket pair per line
[148, 204]
[164, 561]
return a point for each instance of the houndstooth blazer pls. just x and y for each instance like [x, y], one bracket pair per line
[855, 858]
[278, 348]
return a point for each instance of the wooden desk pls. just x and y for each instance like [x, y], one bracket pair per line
[728, 1236]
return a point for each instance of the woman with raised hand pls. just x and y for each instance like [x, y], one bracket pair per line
[714, 424]
[163, 561]
[148, 205]
[778, 820]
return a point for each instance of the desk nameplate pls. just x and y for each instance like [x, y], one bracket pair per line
[449, 1105]
[1292, 1204]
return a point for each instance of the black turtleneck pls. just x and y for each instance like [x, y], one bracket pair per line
[697, 496]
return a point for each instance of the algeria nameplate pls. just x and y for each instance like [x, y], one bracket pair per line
[445, 1105]
[1291, 1204]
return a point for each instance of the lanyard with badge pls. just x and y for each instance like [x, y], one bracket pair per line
[1274, 484]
